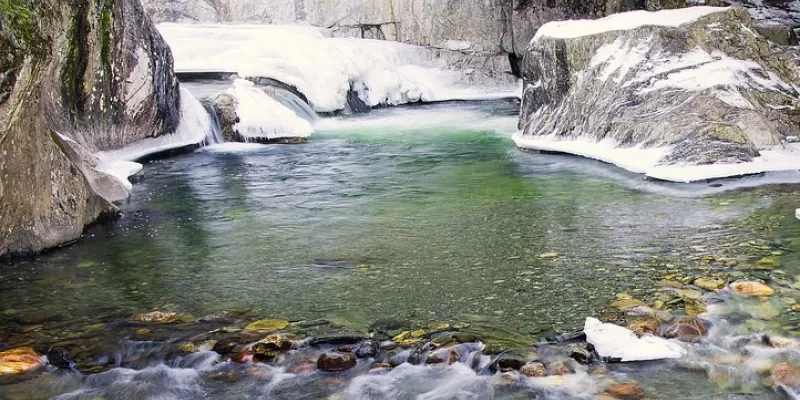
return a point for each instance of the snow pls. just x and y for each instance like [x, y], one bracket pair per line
[194, 125]
[324, 69]
[614, 341]
[261, 116]
[645, 161]
[623, 22]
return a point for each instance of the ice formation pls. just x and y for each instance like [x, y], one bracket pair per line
[261, 116]
[614, 341]
[325, 69]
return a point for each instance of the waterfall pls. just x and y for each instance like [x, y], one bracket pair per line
[214, 134]
[291, 101]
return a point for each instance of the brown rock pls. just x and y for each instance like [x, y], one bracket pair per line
[158, 316]
[334, 361]
[642, 320]
[21, 360]
[560, 368]
[626, 391]
[686, 329]
[784, 373]
[751, 288]
[534, 370]
[273, 345]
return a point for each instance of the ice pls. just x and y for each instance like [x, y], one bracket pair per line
[623, 22]
[192, 130]
[614, 341]
[645, 161]
[261, 116]
[325, 69]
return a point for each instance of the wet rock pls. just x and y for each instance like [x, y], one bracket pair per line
[334, 361]
[60, 358]
[379, 368]
[409, 338]
[580, 354]
[642, 320]
[158, 316]
[466, 337]
[38, 318]
[447, 355]
[709, 283]
[768, 263]
[626, 391]
[272, 345]
[304, 367]
[508, 362]
[534, 370]
[781, 342]
[693, 307]
[784, 373]
[565, 367]
[267, 325]
[751, 288]
[20, 360]
[625, 302]
[367, 349]
[686, 329]
[337, 339]
[389, 325]
[225, 346]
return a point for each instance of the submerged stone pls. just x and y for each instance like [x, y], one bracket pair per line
[534, 370]
[334, 361]
[687, 329]
[751, 288]
[709, 283]
[20, 360]
[642, 320]
[267, 325]
[626, 391]
[784, 373]
[158, 316]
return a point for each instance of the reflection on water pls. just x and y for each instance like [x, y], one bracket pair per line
[425, 213]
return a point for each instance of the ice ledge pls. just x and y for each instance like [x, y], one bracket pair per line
[645, 161]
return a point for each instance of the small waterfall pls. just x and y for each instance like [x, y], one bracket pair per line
[292, 102]
[214, 135]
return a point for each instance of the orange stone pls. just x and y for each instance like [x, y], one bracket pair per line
[751, 288]
[18, 361]
[626, 391]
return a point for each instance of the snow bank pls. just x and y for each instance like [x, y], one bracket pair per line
[614, 341]
[645, 161]
[325, 69]
[192, 130]
[623, 22]
[261, 116]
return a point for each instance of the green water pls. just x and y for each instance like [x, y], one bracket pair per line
[426, 213]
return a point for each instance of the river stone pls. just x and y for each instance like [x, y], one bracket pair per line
[507, 362]
[60, 358]
[267, 325]
[626, 391]
[785, 373]
[273, 345]
[686, 329]
[337, 338]
[626, 304]
[20, 360]
[367, 349]
[334, 361]
[158, 316]
[447, 355]
[580, 354]
[534, 370]
[751, 288]
[225, 346]
[709, 283]
[579, 89]
[642, 320]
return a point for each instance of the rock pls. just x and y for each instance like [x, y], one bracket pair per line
[751, 288]
[20, 360]
[508, 362]
[534, 370]
[580, 354]
[560, 368]
[158, 316]
[225, 346]
[781, 342]
[642, 320]
[709, 283]
[447, 355]
[687, 329]
[267, 325]
[626, 304]
[693, 307]
[304, 367]
[626, 391]
[77, 79]
[60, 358]
[338, 338]
[334, 361]
[272, 345]
[785, 373]
[367, 349]
[768, 263]
[409, 338]
[465, 337]
[618, 343]
[575, 86]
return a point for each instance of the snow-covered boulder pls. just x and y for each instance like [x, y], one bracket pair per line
[680, 95]
[615, 342]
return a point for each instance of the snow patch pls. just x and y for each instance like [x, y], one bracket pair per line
[614, 341]
[623, 22]
[261, 116]
[645, 161]
[325, 69]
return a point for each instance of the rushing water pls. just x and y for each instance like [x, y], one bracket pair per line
[425, 213]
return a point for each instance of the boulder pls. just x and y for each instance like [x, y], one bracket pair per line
[687, 329]
[633, 89]
[76, 77]
[335, 361]
[21, 360]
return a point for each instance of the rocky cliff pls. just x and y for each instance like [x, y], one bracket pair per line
[76, 77]
[659, 93]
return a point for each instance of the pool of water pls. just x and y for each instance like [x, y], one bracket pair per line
[424, 213]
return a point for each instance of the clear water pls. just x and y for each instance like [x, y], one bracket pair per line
[425, 213]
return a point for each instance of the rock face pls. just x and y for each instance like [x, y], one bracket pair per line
[76, 77]
[704, 89]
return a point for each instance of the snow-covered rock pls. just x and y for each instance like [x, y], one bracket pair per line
[616, 342]
[679, 95]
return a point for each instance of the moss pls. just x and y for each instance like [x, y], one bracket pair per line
[75, 62]
[21, 18]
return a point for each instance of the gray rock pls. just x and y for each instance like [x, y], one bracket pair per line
[625, 86]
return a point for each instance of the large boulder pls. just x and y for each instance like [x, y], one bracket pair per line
[76, 77]
[661, 93]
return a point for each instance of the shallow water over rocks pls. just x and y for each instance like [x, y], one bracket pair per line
[387, 224]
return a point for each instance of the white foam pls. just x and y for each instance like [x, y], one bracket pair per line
[324, 68]
[195, 123]
[261, 116]
[234, 147]
[615, 341]
[645, 161]
[623, 22]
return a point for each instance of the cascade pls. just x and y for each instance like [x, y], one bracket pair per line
[214, 134]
